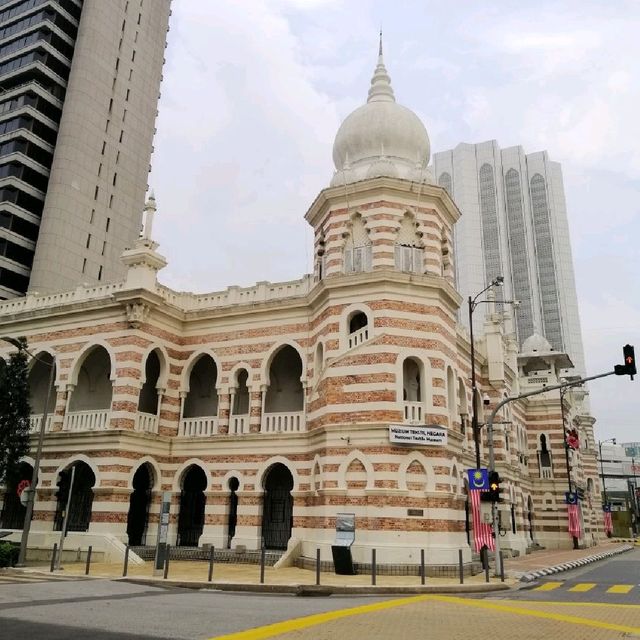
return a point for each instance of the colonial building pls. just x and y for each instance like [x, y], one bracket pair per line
[265, 411]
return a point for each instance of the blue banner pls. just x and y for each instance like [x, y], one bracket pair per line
[478, 479]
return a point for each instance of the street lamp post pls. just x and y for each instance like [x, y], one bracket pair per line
[26, 527]
[563, 391]
[475, 429]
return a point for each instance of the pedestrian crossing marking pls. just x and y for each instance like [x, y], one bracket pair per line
[582, 587]
[620, 588]
[549, 586]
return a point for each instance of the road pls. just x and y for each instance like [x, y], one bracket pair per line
[117, 610]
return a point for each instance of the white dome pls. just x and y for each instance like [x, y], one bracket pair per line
[536, 344]
[381, 138]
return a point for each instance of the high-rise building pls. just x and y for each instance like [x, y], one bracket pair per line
[514, 224]
[79, 86]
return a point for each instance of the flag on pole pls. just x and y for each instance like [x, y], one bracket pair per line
[608, 524]
[574, 520]
[482, 533]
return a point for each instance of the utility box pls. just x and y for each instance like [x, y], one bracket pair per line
[485, 512]
[341, 548]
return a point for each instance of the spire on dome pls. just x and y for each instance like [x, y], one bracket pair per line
[381, 90]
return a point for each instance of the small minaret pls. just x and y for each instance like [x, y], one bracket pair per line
[143, 261]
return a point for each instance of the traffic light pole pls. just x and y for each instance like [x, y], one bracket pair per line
[492, 460]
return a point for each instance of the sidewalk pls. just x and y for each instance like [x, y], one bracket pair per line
[245, 577]
[540, 560]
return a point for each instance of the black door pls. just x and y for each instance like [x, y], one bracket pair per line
[81, 497]
[138, 518]
[192, 502]
[277, 517]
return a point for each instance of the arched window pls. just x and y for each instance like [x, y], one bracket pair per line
[94, 389]
[413, 390]
[451, 395]
[148, 401]
[358, 328]
[319, 360]
[408, 252]
[202, 397]
[284, 399]
[544, 458]
[357, 250]
[463, 406]
[241, 396]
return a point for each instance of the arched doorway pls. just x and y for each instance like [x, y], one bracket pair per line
[233, 510]
[81, 497]
[139, 503]
[192, 502]
[277, 514]
[13, 511]
[530, 517]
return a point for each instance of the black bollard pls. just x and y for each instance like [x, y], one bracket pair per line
[262, 559]
[501, 567]
[317, 566]
[126, 562]
[373, 566]
[461, 566]
[486, 567]
[211, 553]
[166, 562]
[54, 553]
[86, 569]
[423, 574]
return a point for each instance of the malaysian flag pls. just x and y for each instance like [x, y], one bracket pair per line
[608, 524]
[482, 533]
[574, 520]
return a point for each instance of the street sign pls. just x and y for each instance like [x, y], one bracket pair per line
[428, 435]
[22, 490]
[478, 479]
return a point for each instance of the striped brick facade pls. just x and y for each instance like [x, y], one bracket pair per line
[319, 395]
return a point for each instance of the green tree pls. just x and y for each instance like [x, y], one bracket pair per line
[14, 411]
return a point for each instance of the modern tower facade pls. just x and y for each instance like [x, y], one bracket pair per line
[514, 224]
[79, 86]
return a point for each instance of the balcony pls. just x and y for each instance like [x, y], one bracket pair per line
[358, 337]
[86, 420]
[198, 427]
[283, 422]
[35, 420]
[146, 422]
[238, 425]
[413, 413]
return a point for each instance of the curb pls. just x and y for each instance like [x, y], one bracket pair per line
[566, 566]
[306, 590]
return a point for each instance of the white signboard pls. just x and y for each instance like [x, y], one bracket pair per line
[426, 435]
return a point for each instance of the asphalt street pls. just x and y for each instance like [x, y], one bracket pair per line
[592, 602]
[615, 581]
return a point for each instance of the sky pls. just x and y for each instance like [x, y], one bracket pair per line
[254, 92]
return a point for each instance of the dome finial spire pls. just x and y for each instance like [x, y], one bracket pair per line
[380, 90]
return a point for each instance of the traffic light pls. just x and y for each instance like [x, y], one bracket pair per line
[629, 366]
[494, 486]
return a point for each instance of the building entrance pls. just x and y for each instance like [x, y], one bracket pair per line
[192, 502]
[277, 514]
[139, 503]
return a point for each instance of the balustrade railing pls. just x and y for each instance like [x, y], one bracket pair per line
[238, 424]
[36, 419]
[201, 426]
[146, 422]
[86, 420]
[279, 422]
[413, 412]
[358, 337]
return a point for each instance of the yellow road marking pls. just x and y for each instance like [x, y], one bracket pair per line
[582, 587]
[518, 610]
[295, 624]
[620, 588]
[559, 603]
[549, 586]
